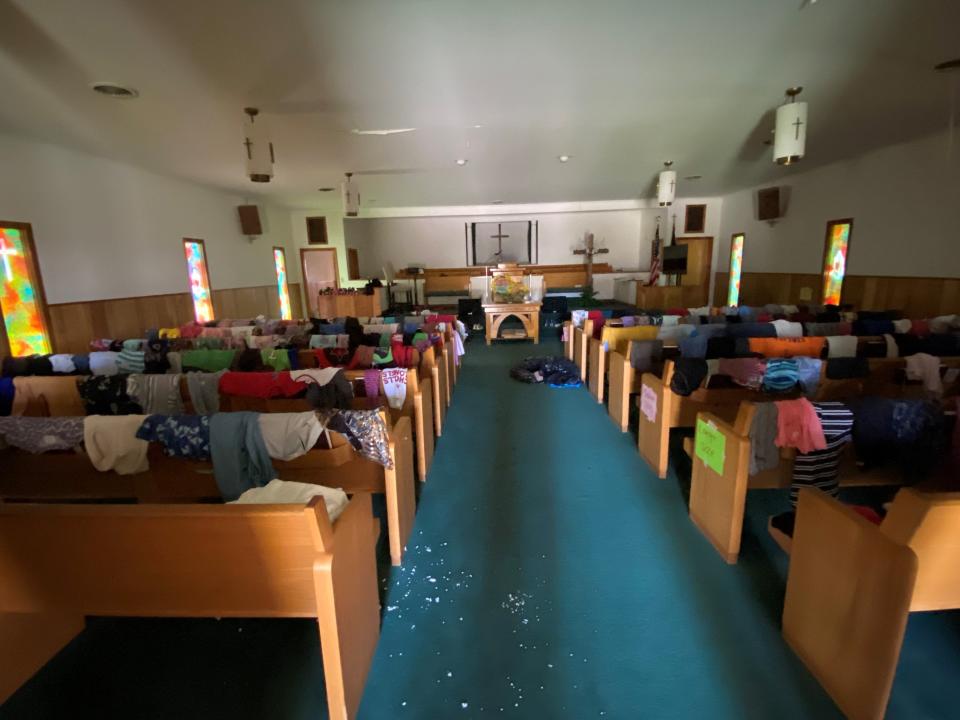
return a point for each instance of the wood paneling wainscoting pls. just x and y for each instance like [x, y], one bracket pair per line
[918, 297]
[74, 325]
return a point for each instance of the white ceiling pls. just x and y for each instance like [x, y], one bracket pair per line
[619, 85]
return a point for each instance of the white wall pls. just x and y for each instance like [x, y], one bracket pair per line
[438, 236]
[105, 229]
[904, 200]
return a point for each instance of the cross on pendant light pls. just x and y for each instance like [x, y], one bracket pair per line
[673, 186]
[796, 124]
[7, 251]
[248, 145]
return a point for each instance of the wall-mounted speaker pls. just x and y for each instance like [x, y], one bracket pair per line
[249, 219]
[768, 204]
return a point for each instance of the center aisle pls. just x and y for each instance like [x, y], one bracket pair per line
[551, 575]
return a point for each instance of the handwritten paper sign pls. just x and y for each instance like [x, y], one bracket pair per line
[648, 403]
[710, 446]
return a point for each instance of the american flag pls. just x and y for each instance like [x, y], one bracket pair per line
[655, 259]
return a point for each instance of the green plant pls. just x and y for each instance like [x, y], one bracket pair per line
[589, 297]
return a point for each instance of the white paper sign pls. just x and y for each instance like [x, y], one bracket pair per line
[648, 403]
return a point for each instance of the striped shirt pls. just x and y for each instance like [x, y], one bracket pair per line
[820, 468]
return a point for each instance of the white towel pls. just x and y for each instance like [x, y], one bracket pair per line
[841, 346]
[787, 329]
[892, 349]
[111, 443]
[63, 363]
[285, 492]
[289, 435]
[902, 326]
[104, 363]
[926, 368]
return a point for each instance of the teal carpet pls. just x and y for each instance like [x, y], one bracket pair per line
[549, 575]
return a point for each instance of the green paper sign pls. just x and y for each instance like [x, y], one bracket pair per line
[710, 446]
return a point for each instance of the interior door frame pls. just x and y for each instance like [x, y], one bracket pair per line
[686, 239]
[37, 278]
[303, 270]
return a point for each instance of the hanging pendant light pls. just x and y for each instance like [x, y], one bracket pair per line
[790, 134]
[259, 149]
[351, 197]
[667, 185]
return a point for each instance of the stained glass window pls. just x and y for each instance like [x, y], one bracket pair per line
[736, 269]
[283, 289]
[835, 259]
[199, 280]
[21, 306]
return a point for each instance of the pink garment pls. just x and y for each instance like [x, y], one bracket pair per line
[371, 383]
[747, 372]
[926, 368]
[798, 426]
[190, 330]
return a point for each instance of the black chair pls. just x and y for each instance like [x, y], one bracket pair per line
[470, 313]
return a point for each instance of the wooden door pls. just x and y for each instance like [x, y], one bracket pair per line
[320, 271]
[353, 264]
[699, 264]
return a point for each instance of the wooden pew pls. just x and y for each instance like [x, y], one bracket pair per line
[60, 563]
[418, 406]
[437, 373]
[600, 352]
[568, 329]
[581, 347]
[69, 476]
[852, 585]
[718, 500]
[675, 411]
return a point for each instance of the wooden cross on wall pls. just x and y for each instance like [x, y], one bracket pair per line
[589, 251]
[499, 238]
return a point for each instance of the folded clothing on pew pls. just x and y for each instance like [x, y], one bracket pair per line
[286, 492]
[42, 434]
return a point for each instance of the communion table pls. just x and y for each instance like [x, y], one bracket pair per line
[527, 313]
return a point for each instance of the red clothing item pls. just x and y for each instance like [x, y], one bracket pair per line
[682, 312]
[798, 426]
[919, 327]
[441, 318]
[261, 384]
[598, 322]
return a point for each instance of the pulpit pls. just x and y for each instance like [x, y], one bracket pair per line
[509, 294]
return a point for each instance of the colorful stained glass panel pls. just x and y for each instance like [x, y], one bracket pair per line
[736, 270]
[283, 289]
[199, 280]
[835, 260]
[22, 313]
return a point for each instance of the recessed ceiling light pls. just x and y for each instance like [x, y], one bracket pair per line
[497, 202]
[387, 131]
[461, 161]
[693, 177]
[477, 127]
[563, 158]
[326, 189]
[114, 90]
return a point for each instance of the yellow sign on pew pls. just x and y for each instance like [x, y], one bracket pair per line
[710, 446]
